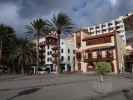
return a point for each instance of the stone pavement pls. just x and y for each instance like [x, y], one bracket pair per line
[66, 87]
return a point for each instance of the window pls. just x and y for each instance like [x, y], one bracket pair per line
[118, 27]
[117, 22]
[99, 54]
[62, 58]
[73, 58]
[103, 25]
[89, 54]
[110, 24]
[109, 53]
[69, 58]
[91, 28]
[48, 59]
[68, 50]
[97, 27]
[61, 50]
[73, 51]
[48, 53]
[110, 29]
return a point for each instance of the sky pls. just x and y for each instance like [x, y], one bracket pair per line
[18, 13]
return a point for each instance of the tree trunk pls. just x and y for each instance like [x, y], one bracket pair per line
[37, 53]
[58, 59]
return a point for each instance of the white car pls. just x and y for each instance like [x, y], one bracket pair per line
[41, 72]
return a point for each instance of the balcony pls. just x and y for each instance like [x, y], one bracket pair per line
[54, 60]
[51, 39]
[78, 45]
[78, 56]
[104, 27]
[54, 55]
[98, 59]
[88, 57]
[41, 50]
[55, 48]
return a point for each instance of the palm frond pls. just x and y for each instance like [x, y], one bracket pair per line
[61, 22]
[38, 27]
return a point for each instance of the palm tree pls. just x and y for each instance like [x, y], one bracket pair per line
[7, 37]
[60, 23]
[37, 28]
[22, 55]
[129, 24]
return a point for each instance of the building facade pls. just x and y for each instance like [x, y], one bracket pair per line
[67, 54]
[118, 24]
[91, 49]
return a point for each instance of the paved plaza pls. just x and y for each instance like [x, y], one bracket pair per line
[66, 87]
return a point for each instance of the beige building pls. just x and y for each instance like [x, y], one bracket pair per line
[97, 48]
[117, 24]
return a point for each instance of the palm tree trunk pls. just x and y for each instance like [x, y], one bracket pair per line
[37, 52]
[58, 62]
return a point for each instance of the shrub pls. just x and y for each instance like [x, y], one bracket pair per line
[103, 68]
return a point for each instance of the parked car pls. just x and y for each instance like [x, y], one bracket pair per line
[43, 70]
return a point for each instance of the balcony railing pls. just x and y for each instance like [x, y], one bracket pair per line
[98, 58]
[55, 55]
[42, 50]
[54, 61]
[78, 56]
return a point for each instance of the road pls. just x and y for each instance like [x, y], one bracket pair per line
[65, 87]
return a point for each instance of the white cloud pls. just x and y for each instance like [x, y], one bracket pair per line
[113, 2]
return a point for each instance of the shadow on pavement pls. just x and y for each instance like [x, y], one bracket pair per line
[128, 95]
[24, 92]
[46, 85]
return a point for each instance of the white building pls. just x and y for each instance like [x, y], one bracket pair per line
[67, 54]
[118, 25]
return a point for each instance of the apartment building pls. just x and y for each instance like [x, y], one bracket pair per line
[118, 24]
[97, 48]
[47, 53]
